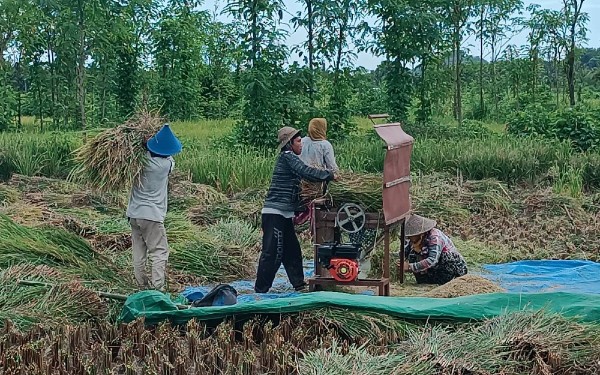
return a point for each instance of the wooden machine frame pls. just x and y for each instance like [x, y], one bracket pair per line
[396, 208]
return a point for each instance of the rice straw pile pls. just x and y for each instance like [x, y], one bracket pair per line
[60, 301]
[59, 249]
[366, 190]
[465, 286]
[114, 159]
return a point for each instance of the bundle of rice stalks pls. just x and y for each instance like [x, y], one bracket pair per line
[366, 190]
[27, 214]
[359, 326]
[248, 205]
[114, 159]
[8, 195]
[207, 258]
[64, 302]
[518, 343]
[543, 343]
[103, 202]
[183, 193]
[111, 242]
[39, 184]
[488, 195]
[235, 233]
[55, 248]
[179, 228]
[439, 197]
[339, 359]
[205, 214]
[465, 286]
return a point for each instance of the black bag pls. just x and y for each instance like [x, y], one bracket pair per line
[221, 295]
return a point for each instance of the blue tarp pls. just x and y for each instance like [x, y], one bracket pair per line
[529, 276]
[571, 288]
[541, 276]
[245, 288]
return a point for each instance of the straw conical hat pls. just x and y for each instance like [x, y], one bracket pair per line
[285, 134]
[416, 225]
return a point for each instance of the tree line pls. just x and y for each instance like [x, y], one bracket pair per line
[76, 64]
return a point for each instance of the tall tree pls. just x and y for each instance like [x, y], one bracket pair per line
[179, 39]
[500, 24]
[264, 54]
[460, 12]
[577, 31]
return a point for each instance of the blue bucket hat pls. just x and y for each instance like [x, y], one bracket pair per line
[164, 143]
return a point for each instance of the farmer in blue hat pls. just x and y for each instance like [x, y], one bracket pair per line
[147, 209]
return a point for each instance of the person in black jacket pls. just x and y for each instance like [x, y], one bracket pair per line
[280, 243]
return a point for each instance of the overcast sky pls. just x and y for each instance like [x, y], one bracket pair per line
[591, 7]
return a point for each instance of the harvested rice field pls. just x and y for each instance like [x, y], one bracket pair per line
[73, 243]
[66, 273]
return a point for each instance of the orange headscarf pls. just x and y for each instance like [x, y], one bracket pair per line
[317, 129]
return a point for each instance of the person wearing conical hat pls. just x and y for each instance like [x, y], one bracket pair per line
[147, 209]
[280, 243]
[430, 254]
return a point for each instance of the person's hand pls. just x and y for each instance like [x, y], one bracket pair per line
[405, 267]
[336, 176]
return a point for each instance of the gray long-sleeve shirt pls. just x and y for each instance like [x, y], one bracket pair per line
[318, 154]
[148, 200]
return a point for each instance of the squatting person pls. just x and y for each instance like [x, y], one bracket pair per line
[147, 208]
[431, 256]
[280, 243]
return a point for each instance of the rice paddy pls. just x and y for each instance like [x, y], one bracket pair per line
[62, 242]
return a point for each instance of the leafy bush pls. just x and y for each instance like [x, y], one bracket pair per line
[533, 121]
[579, 125]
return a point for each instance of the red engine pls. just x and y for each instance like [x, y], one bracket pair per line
[343, 270]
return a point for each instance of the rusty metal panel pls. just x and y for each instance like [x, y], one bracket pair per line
[396, 171]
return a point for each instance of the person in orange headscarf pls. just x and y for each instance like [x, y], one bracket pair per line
[317, 152]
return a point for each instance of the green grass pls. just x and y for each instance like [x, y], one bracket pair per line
[204, 131]
[232, 169]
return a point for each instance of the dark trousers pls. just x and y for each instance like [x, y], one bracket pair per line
[279, 245]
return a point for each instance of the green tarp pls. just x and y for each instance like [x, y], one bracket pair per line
[157, 307]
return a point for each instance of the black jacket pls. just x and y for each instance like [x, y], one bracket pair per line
[284, 193]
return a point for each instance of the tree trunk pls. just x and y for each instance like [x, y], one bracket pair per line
[81, 66]
[481, 102]
[340, 49]
[424, 102]
[255, 43]
[571, 69]
[457, 70]
[457, 93]
[40, 111]
[53, 93]
[19, 89]
[493, 62]
[571, 51]
[311, 67]
[556, 76]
